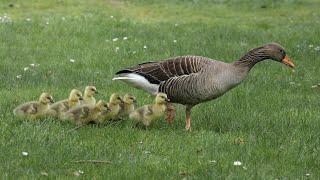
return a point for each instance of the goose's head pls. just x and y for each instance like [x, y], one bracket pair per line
[103, 106]
[46, 98]
[90, 91]
[75, 95]
[129, 99]
[277, 53]
[161, 98]
[115, 99]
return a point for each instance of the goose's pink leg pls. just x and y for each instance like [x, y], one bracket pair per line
[188, 117]
[171, 112]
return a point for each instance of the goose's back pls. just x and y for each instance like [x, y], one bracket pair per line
[157, 72]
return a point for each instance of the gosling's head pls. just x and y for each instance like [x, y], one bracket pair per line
[161, 98]
[75, 95]
[115, 99]
[90, 91]
[46, 98]
[103, 106]
[129, 99]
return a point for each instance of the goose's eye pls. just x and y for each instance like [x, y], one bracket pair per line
[105, 105]
[78, 95]
[93, 90]
[119, 98]
[281, 51]
[48, 98]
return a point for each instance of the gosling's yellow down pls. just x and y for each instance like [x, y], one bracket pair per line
[34, 109]
[84, 114]
[58, 108]
[114, 105]
[88, 98]
[127, 107]
[148, 113]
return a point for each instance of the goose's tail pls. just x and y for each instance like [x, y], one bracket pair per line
[138, 82]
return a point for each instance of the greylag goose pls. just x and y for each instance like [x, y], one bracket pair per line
[149, 113]
[84, 114]
[60, 107]
[89, 92]
[127, 107]
[190, 80]
[34, 109]
[114, 104]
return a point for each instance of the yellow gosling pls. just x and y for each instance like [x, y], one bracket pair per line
[88, 98]
[34, 109]
[114, 105]
[84, 114]
[146, 114]
[58, 108]
[127, 107]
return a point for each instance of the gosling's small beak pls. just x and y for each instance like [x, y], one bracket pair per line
[81, 98]
[288, 62]
[51, 100]
[168, 100]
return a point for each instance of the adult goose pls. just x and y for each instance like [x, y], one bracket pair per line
[190, 80]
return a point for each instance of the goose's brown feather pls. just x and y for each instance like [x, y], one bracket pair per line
[157, 72]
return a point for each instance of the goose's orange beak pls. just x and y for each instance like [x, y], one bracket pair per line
[287, 61]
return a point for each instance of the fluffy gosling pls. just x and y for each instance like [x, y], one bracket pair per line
[88, 95]
[146, 114]
[34, 109]
[58, 108]
[114, 104]
[84, 114]
[127, 107]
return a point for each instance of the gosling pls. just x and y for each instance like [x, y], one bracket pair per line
[84, 114]
[34, 109]
[57, 109]
[114, 104]
[146, 114]
[127, 107]
[88, 95]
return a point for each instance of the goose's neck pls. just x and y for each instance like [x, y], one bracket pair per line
[73, 102]
[96, 109]
[251, 58]
[88, 95]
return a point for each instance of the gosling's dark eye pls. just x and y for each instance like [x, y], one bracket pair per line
[48, 98]
[105, 106]
[78, 95]
[119, 98]
[281, 51]
[93, 90]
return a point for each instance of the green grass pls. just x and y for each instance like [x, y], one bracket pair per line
[275, 111]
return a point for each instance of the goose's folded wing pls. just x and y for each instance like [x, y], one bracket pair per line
[64, 106]
[156, 72]
[32, 109]
[85, 111]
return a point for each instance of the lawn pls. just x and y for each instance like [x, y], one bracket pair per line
[270, 123]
